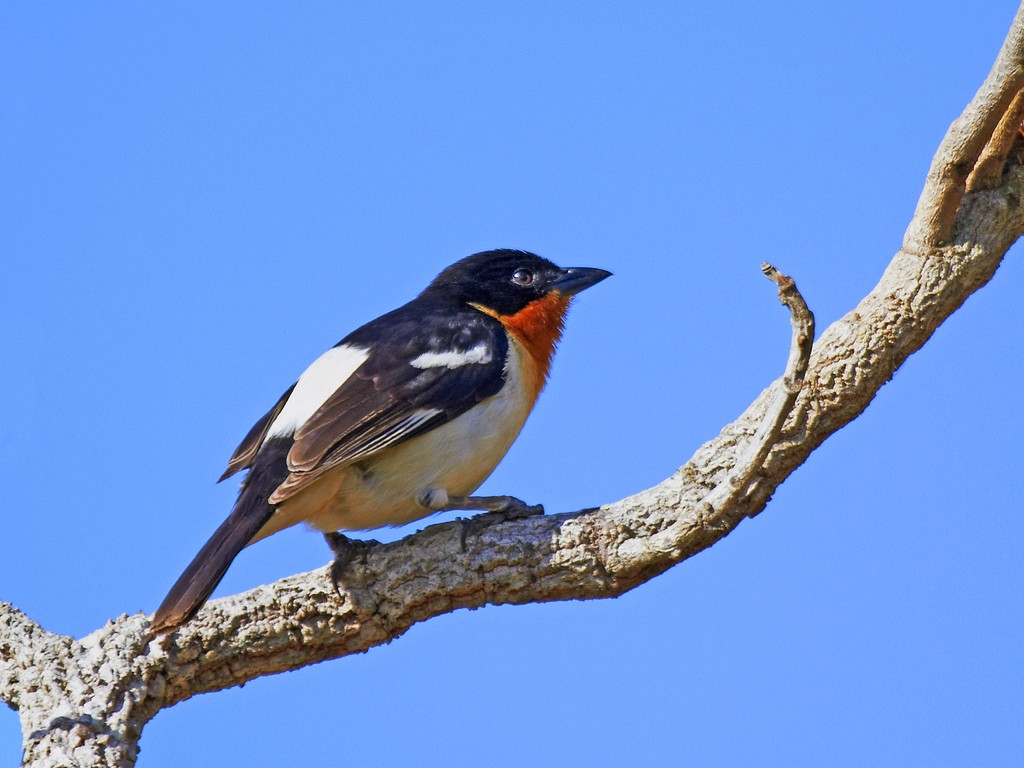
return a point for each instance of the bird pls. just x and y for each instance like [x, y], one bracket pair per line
[403, 418]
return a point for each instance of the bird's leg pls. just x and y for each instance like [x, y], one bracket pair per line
[345, 551]
[509, 507]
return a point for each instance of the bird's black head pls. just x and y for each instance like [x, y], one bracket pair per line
[505, 281]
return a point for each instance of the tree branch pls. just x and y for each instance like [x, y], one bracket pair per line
[20, 642]
[989, 170]
[85, 702]
[963, 144]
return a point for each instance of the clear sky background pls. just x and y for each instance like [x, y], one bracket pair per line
[198, 199]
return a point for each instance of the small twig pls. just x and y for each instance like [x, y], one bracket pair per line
[989, 171]
[802, 322]
[750, 461]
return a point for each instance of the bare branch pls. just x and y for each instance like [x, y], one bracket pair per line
[85, 702]
[20, 642]
[989, 171]
[963, 144]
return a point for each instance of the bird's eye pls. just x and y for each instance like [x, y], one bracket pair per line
[522, 277]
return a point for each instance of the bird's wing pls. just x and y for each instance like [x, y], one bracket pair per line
[246, 450]
[403, 389]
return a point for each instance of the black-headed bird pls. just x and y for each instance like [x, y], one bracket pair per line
[404, 417]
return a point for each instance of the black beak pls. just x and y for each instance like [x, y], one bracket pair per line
[575, 279]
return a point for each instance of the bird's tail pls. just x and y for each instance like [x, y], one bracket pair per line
[193, 587]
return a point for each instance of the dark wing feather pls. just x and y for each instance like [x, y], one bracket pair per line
[246, 451]
[388, 401]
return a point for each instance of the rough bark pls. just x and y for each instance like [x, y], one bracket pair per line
[85, 702]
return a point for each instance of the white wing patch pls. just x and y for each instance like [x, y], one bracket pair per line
[478, 355]
[315, 385]
[396, 432]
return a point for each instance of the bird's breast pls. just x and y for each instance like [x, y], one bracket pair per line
[536, 329]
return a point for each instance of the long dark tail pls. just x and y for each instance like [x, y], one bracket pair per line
[193, 587]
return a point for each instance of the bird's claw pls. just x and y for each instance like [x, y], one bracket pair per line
[517, 509]
[510, 509]
[346, 551]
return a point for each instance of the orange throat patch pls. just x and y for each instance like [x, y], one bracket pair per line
[538, 327]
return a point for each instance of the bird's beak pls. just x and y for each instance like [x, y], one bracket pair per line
[575, 279]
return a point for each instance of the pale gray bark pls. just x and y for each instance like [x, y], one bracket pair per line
[85, 702]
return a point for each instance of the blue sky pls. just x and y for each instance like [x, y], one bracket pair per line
[198, 200]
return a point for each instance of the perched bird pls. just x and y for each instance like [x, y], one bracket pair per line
[404, 417]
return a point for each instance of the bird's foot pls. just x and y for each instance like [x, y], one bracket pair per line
[346, 551]
[496, 509]
[509, 507]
